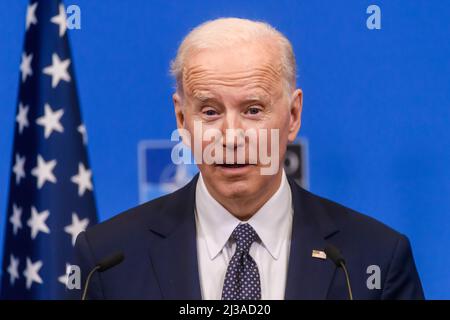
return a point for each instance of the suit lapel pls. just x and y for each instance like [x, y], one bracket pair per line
[173, 246]
[308, 277]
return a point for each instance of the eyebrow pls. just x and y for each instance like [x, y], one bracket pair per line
[205, 97]
[257, 97]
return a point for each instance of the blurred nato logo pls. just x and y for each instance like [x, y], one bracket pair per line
[158, 175]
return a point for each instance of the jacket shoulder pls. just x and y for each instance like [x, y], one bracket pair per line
[350, 222]
[127, 227]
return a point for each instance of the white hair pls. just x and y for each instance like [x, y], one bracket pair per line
[227, 32]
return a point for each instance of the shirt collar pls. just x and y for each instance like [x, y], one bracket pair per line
[271, 222]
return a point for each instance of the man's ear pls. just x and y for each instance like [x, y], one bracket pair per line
[295, 113]
[179, 115]
[178, 110]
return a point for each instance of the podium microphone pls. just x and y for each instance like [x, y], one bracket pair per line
[334, 255]
[103, 265]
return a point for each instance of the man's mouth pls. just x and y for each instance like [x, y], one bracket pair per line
[224, 165]
[234, 169]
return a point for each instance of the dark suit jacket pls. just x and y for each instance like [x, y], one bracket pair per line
[158, 240]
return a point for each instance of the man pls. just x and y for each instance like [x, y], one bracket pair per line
[241, 229]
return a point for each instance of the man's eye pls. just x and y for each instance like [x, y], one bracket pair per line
[253, 110]
[210, 112]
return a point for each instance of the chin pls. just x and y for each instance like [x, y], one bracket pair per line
[236, 189]
[234, 183]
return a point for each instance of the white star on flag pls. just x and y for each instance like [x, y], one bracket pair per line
[31, 15]
[13, 269]
[15, 219]
[44, 171]
[60, 20]
[51, 120]
[19, 168]
[82, 179]
[37, 222]
[31, 273]
[21, 118]
[65, 277]
[58, 70]
[25, 66]
[76, 227]
[82, 130]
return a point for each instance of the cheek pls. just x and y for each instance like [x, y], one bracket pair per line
[284, 121]
[280, 123]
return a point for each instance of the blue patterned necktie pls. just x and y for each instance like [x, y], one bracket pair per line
[242, 277]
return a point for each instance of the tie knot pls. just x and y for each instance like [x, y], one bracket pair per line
[244, 235]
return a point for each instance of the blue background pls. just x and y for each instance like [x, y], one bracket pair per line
[376, 102]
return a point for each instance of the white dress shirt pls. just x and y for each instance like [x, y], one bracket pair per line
[272, 223]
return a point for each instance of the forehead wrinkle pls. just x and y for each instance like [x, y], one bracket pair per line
[198, 72]
[198, 79]
[202, 91]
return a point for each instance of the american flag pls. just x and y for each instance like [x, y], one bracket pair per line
[50, 190]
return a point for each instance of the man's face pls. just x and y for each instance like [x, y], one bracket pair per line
[238, 88]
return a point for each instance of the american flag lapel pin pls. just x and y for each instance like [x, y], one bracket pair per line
[319, 254]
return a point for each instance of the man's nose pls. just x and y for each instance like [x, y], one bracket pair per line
[233, 125]
[231, 121]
